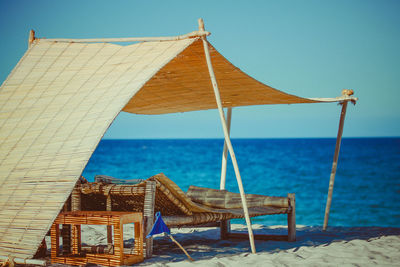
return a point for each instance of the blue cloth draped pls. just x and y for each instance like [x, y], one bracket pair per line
[159, 226]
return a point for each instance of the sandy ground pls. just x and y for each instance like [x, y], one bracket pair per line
[339, 246]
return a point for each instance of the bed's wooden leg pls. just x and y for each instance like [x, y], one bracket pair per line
[292, 218]
[109, 227]
[66, 231]
[148, 214]
[225, 229]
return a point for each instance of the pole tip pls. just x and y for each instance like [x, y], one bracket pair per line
[31, 37]
[201, 24]
[347, 92]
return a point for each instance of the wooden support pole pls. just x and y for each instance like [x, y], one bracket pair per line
[55, 240]
[227, 138]
[225, 151]
[66, 231]
[225, 229]
[76, 239]
[334, 164]
[131, 39]
[292, 218]
[76, 229]
[138, 247]
[148, 214]
[225, 226]
[31, 38]
[76, 199]
[109, 227]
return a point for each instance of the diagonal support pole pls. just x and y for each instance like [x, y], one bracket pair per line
[334, 164]
[225, 151]
[227, 138]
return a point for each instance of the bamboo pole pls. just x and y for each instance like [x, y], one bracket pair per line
[199, 33]
[227, 138]
[66, 231]
[334, 164]
[224, 225]
[109, 227]
[148, 214]
[31, 37]
[76, 198]
[225, 151]
[180, 246]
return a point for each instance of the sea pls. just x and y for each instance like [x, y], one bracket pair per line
[367, 184]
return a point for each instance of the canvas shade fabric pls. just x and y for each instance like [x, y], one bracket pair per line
[59, 100]
[184, 85]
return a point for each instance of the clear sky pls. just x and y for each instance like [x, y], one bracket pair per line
[306, 48]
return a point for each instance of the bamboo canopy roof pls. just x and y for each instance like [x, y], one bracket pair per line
[61, 97]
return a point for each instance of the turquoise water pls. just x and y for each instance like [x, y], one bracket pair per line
[367, 185]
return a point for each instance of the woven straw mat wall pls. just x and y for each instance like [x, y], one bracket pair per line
[54, 108]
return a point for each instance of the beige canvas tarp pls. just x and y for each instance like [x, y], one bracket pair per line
[59, 100]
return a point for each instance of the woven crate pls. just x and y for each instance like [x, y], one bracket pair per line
[117, 256]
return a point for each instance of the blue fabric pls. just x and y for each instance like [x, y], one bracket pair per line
[159, 226]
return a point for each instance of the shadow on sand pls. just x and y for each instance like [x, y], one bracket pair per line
[204, 244]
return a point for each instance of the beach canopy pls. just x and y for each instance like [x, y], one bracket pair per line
[62, 96]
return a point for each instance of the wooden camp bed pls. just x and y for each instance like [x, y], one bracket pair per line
[197, 207]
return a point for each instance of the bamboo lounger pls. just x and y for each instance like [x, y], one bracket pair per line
[197, 207]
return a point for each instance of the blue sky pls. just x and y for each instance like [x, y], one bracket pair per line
[306, 48]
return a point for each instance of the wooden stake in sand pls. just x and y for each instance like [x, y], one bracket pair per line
[180, 246]
[336, 157]
[227, 138]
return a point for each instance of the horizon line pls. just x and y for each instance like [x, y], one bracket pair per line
[222, 138]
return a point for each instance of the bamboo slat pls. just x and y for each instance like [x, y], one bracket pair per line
[148, 214]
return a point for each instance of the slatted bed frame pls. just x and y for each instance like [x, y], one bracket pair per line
[199, 206]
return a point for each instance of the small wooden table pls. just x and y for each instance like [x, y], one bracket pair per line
[111, 218]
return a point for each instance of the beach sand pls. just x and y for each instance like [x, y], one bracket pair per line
[347, 246]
